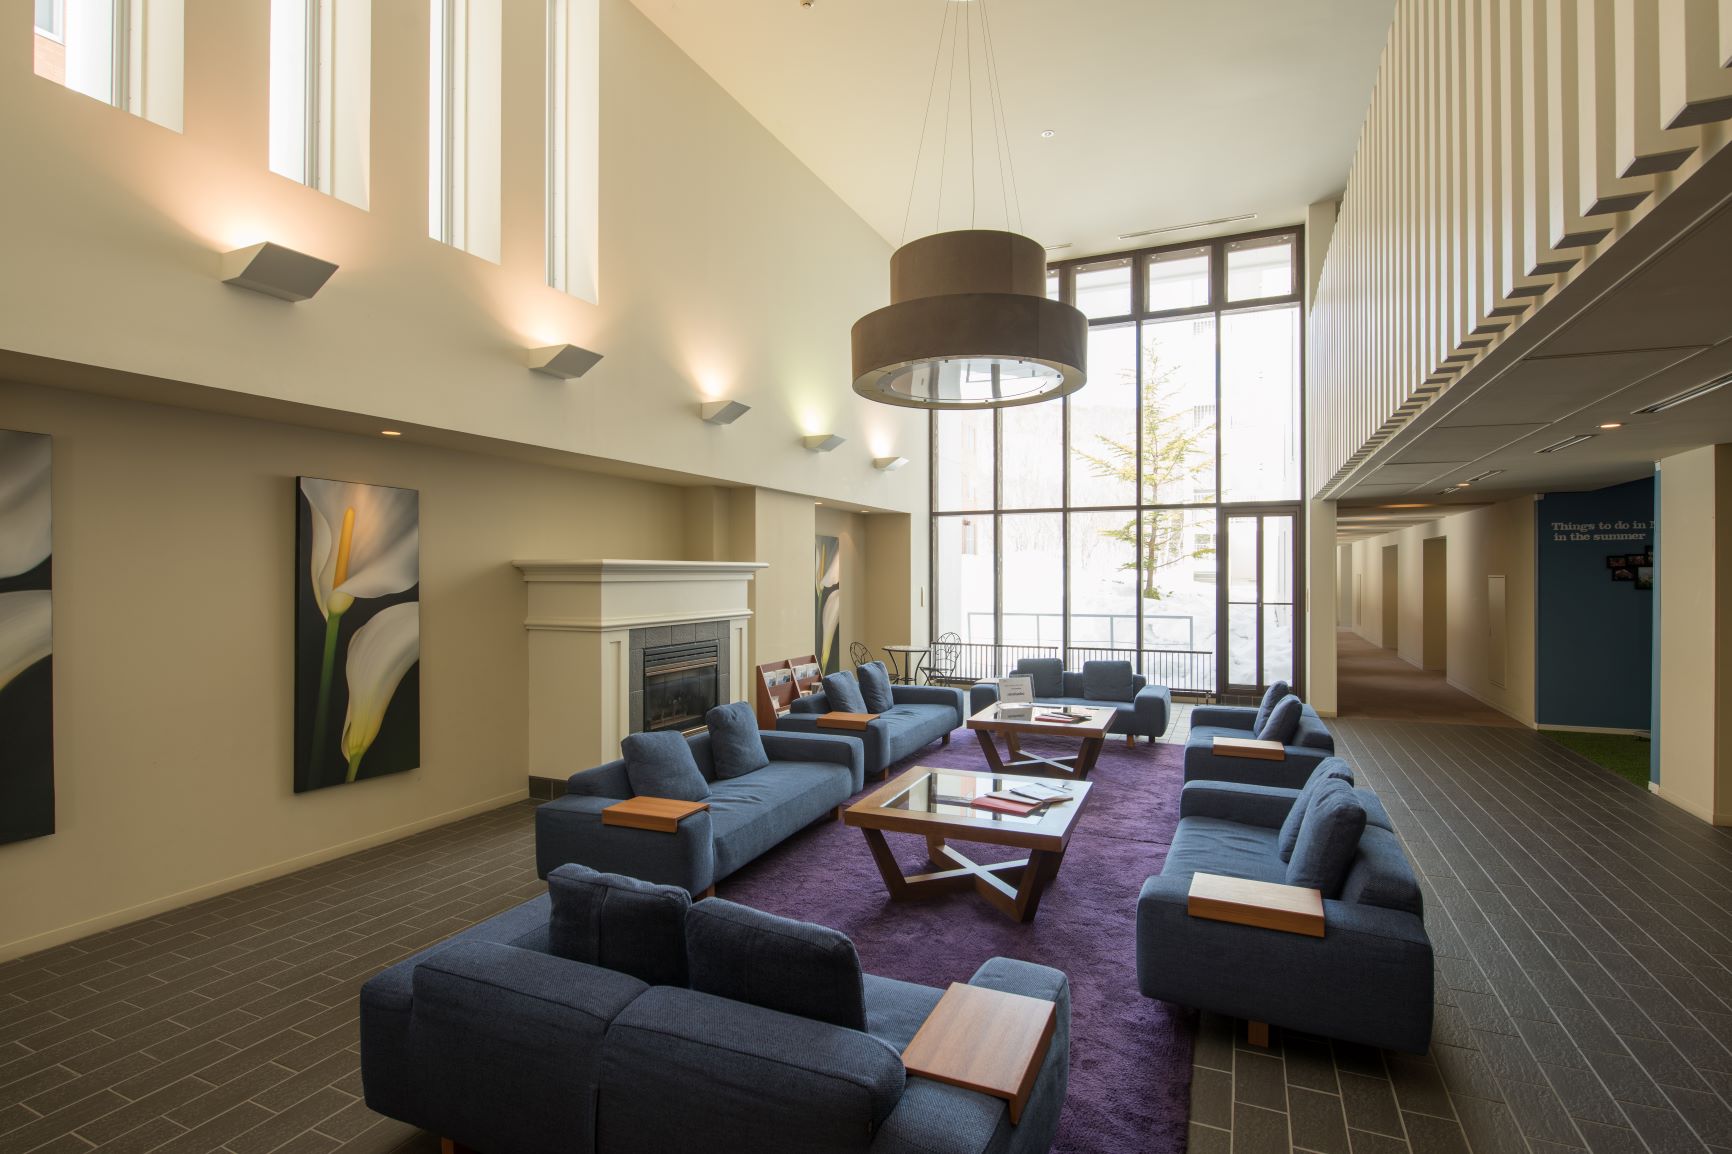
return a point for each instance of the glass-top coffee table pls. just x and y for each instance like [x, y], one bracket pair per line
[934, 804]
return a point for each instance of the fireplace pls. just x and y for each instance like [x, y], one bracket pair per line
[680, 684]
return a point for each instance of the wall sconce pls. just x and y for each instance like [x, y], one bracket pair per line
[888, 464]
[821, 442]
[276, 271]
[723, 412]
[564, 362]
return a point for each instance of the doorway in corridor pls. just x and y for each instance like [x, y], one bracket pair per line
[1391, 632]
[1434, 595]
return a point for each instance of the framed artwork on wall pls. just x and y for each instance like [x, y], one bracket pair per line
[357, 632]
[828, 606]
[26, 636]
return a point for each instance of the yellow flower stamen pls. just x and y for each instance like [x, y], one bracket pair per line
[344, 542]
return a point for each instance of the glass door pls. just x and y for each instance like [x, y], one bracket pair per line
[1259, 599]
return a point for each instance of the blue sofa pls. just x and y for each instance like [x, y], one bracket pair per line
[1308, 748]
[1368, 979]
[922, 714]
[1145, 714]
[808, 777]
[498, 1041]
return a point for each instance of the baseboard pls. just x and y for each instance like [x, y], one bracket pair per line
[1485, 701]
[108, 921]
[1699, 812]
[1595, 729]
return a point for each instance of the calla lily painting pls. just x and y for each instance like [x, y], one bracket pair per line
[357, 632]
[829, 604]
[26, 637]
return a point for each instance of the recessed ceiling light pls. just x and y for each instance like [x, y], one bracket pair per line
[1047, 134]
[1409, 506]
[389, 433]
[1687, 395]
[1482, 476]
[1186, 227]
[1612, 425]
[1566, 443]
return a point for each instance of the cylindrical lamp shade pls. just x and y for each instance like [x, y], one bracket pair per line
[969, 327]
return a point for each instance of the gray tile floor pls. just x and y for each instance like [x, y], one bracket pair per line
[230, 1024]
[1583, 931]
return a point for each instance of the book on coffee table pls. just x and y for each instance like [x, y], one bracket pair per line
[1061, 718]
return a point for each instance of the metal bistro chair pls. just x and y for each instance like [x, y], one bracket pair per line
[942, 659]
[859, 652]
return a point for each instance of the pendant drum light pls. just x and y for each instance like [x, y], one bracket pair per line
[969, 325]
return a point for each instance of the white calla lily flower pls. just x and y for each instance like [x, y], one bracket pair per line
[26, 529]
[366, 541]
[380, 653]
[26, 631]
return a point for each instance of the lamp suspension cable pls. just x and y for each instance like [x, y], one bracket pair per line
[957, 32]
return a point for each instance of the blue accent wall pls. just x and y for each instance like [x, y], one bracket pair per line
[1594, 665]
[1654, 678]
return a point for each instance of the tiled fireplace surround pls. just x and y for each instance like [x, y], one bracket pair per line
[691, 631]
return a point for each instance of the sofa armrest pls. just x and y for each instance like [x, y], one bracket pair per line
[1153, 705]
[929, 695]
[1260, 805]
[1224, 716]
[800, 745]
[981, 695]
[932, 1118]
[570, 829]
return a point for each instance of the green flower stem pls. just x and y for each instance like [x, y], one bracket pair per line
[322, 715]
[355, 765]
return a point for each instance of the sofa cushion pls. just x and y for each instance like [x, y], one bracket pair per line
[1108, 681]
[1327, 768]
[661, 764]
[798, 968]
[895, 1010]
[1328, 838]
[843, 692]
[1283, 722]
[752, 814]
[1212, 845]
[1271, 697]
[1381, 874]
[1047, 674]
[619, 923]
[735, 743]
[875, 687]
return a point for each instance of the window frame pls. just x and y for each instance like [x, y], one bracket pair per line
[1143, 505]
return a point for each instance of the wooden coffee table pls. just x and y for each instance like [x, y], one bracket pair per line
[1093, 734]
[933, 803]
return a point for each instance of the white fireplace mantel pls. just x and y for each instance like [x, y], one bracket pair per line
[580, 618]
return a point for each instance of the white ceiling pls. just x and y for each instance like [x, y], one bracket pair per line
[1164, 112]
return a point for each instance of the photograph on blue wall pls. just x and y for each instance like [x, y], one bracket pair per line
[26, 636]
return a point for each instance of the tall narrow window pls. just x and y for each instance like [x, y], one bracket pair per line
[464, 125]
[321, 95]
[573, 148]
[127, 53]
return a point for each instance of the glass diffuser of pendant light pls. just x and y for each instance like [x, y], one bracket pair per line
[969, 325]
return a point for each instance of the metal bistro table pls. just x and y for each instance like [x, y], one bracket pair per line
[905, 662]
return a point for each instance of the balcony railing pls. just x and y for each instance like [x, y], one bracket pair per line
[1183, 670]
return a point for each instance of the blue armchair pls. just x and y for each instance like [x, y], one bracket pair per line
[1309, 746]
[1368, 979]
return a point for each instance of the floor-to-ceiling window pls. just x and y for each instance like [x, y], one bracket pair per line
[1154, 516]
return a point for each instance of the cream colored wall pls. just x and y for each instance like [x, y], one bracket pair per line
[1495, 539]
[727, 267]
[173, 562]
[897, 575]
[1695, 641]
[785, 537]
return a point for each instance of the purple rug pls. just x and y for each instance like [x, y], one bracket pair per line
[1130, 1072]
